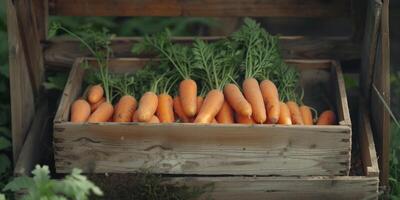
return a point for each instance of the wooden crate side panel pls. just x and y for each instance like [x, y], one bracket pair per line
[61, 53]
[339, 88]
[71, 91]
[218, 8]
[271, 188]
[195, 149]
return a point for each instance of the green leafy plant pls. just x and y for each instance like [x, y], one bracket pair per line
[41, 186]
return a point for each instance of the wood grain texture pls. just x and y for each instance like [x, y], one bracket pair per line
[368, 151]
[380, 95]
[271, 188]
[22, 97]
[217, 8]
[373, 17]
[30, 42]
[197, 149]
[60, 53]
[33, 148]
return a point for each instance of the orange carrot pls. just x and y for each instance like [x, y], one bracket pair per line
[188, 96]
[271, 99]
[94, 106]
[225, 115]
[134, 117]
[154, 120]
[200, 100]
[147, 106]
[80, 111]
[102, 113]
[165, 109]
[295, 114]
[244, 119]
[211, 106]
[284, 114]
[179, 111]
[124, 109]
[95, 93]
[252, 92]
[236, 99]
[327, 117]
[306, 115]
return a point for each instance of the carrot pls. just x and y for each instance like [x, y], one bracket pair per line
[295, 114]
[200, 101]
[102, 113]
[252, 92]
[154, 120]
[306, 115]
[124, 109]
[147, 106]
[236, 99]
[134, 117]
[244, 119]
[188, 96]
[211, 106]
[271, 99]
[284, 114]
[225, 115]
[80, 111]
[179, 111]
[327, 117]
[94, 106]
[95, 93]
[165, 109]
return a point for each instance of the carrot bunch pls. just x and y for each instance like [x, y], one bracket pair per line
[242, 79]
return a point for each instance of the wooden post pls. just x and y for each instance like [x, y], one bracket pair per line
[25, 30]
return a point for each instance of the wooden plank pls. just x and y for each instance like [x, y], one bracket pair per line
[30, 42]
[217, 8]
[368, 151]
[340, 93]
[368, 52]
[33, 148]
[196, 149]
[200, 149]
[271, 188]
[231, 188]
[61, 53]
[380, 96]
[22, 98]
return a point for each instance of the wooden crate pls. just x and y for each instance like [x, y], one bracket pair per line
[209, 149]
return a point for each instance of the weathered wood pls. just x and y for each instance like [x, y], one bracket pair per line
[33, 148]
[202, 149]
[368, 151]
[217, 8]
[41, 8]
[346, 188]
[60, 53]
[22, 98]
[340, 94]
[380, 96]
[30, 42]
[373, 18]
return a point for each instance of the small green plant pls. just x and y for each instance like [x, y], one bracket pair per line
[41, 186]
